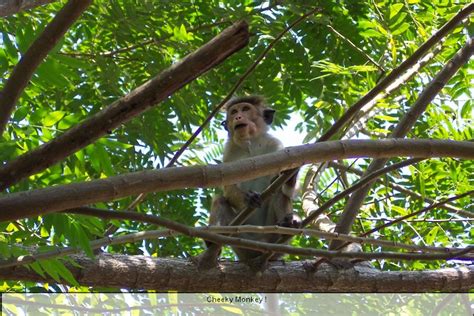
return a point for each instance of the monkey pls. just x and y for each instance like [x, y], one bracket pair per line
[247, 122]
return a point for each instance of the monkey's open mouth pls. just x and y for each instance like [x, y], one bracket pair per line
[240, 126]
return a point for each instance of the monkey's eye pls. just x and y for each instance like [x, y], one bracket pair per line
[233, 111]
[246, 108]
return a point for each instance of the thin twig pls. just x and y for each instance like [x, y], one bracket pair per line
[423, 210]
[356, 48]
[262, 246]
[399, 188]
[155, 234]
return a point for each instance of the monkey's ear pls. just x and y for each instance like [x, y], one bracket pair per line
[268, 116]
[224, 124]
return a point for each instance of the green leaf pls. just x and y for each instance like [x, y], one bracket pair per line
[431, 236]
[53, 117]
[401, 29]
[50, 268]
[36, 266]
[371, 33]
[64, 273]
[67, 121]
[81, 239]
[395, 8]
[11, 49]
[50, 73]
[467, 109]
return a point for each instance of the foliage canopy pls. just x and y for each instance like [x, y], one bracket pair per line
[311, 76]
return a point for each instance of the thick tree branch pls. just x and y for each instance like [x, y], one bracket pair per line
[136, 102]
[142, 272]
[354, 204]
[9, 7]
[32, 203]
[35, 54]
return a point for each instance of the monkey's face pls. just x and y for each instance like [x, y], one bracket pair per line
[244, 122]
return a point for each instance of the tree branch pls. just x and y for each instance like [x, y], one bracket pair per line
[403, 127]
[404, 66]
[463, 254]
[143, 272]
[356, 48]
[9, 7]
[136, 102]
[35, 202]
[213, 113]
[155, 234]
[362, 182]
[35, 54]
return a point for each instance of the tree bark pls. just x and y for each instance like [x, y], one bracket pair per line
[32, 203]
[164, 274]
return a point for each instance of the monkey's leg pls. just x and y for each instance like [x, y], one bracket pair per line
[221, 214]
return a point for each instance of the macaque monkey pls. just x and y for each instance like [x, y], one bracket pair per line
[247, 122]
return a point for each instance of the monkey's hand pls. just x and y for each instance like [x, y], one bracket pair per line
[253, 199]
[291, 220]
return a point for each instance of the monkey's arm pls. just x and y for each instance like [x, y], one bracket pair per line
[240, 199]
[235, 196]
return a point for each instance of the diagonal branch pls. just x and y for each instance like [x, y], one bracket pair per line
[35, 54]
[32, 203]
[408, 121]
[392, 76]
[136, 102]
[407, 64]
